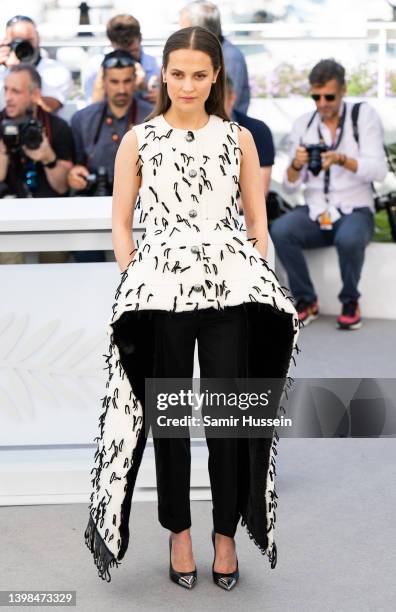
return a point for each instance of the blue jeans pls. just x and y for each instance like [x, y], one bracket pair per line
[295, 231]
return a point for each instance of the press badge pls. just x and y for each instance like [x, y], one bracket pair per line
[325, 221]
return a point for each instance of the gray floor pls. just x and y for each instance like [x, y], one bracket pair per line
[335, 526]
[329, 352]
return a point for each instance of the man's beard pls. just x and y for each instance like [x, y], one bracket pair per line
[121, 102]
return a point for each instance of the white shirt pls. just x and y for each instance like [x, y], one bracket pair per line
[347, 190]
[56, 80]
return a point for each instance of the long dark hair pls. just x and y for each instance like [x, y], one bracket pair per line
[199, 39]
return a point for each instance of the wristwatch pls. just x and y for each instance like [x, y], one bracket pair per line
[342, 160]
[51, 164]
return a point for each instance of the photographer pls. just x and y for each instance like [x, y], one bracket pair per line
[22, 44]
[36, 148]
[335, 154]
[123, 32]
[98, 130]
[207, 15]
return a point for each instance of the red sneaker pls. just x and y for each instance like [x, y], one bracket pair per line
[307, 311]
[350, 317]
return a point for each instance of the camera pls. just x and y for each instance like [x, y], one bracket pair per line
[98, 183]
[314, 156]
[23, 49]
[22, 131]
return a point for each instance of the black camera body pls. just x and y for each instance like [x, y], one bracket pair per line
[314, 156]
[99, 183]
[24, 131]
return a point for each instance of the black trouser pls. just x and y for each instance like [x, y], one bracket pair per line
[222, 346]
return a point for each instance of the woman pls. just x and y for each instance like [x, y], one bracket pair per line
[195, 275]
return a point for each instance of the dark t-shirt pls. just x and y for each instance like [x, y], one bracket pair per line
[21, 167]
[261, 135]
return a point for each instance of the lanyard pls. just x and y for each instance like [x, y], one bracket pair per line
[132, 112]
[341, 122]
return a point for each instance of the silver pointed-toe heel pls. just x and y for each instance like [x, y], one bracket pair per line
[225, 581]
[184, 579]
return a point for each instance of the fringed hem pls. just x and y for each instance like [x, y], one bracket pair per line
[272, 552]
[103, 558]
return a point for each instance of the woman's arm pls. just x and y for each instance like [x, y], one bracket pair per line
[125, 191]
[252, 192]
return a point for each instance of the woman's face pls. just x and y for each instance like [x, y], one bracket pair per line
[189, 75]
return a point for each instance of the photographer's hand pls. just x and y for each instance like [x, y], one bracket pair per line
[152, 90]
[44, 153]
[4, 161]
[4, 52]
[329, 158]
[140, 76]
[56, 174]
[340, 159]
[300, 159]
[43, 103]
[76, 177]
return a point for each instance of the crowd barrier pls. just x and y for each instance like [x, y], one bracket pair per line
[53, 324]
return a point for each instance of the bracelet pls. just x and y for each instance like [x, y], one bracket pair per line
[342, 161]
[295, 167]
[51, 164]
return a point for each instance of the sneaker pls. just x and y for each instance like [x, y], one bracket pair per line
[307, 311]
[350, 317]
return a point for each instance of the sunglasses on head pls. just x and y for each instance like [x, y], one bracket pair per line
[18, 19]
[118, 62]
[327, 97]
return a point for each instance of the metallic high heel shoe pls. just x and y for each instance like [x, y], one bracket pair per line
[184, 579]
[225, 581]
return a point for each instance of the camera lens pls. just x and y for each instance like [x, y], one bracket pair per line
[23, 49]
[31, 134]
[315, 159]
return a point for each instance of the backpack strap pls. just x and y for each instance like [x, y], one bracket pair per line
[355, 117]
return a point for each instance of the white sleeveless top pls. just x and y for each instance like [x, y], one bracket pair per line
[193, 253]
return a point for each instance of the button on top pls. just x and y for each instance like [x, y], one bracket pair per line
[197, 287]
[193, 213]
[192, 173]
[194, 249]
[189, 136]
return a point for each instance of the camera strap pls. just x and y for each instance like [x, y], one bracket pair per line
[333, 147]
[44, 118]
[105, 118]
[341, 123]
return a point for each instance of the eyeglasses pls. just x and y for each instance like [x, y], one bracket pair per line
[327, 97]
[18, 19]
[118, 62]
